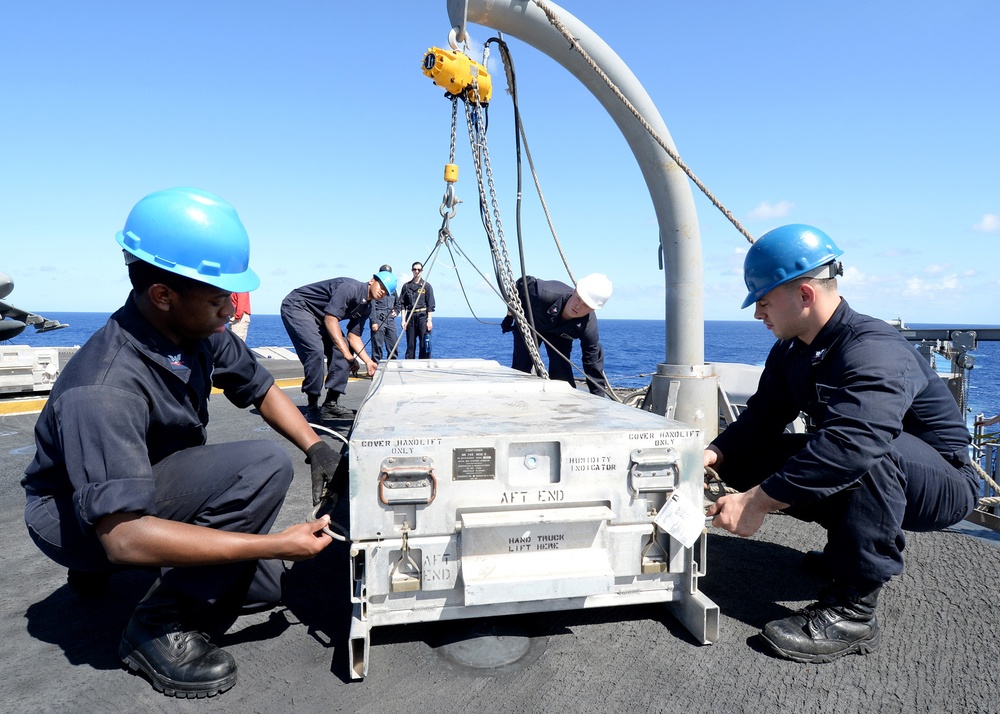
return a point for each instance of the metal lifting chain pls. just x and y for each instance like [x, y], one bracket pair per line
[481, 161]
[449, 204]
[448, 208]
[557, 24]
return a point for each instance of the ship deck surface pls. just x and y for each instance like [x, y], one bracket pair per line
[940, 649]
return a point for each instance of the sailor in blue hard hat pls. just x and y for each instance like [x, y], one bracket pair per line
[788, 253]
[311, 315]
[887, 450]
[382, 322]
[122, 475]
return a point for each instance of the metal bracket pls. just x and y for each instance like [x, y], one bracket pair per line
[407, 481]
[653, 470]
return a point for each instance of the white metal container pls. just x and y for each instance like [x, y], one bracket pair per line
[477, 490]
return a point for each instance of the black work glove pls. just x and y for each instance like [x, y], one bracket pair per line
[507, 325]
[328, 480]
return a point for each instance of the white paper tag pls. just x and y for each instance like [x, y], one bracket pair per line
[682, 520]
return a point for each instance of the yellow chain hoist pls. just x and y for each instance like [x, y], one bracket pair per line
[462, 78]
[458, 74]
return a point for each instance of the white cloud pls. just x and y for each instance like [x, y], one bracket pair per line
[768, 210]
[937, 269]
[919, 287]
[853, 276]
[989, 224]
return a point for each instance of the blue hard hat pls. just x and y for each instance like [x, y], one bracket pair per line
[784, 254]
[387, 279]
[192, 233]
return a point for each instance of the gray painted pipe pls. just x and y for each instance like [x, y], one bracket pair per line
[668, 185]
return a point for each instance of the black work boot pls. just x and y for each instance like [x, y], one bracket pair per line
[312, 413]
[332, 409]
[839, 624]
[179, 661]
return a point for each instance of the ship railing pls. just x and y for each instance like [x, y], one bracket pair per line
[986, 455]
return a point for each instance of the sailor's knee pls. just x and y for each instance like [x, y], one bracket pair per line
[272, 460]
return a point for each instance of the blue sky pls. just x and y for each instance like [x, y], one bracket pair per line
[875, 121]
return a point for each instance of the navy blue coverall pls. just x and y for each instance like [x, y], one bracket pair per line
[123, 431]
[888, 449]
[384, 339]
[417, 297]
[548, 298]
[303, 311]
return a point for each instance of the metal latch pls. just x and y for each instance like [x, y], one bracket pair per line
[654, 557]
[653, 470]
[406, 480]
[404, 576]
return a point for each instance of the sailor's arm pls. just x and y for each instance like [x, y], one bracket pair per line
[743, 513]
[713, 456]
[137, 539]
[332, 325]
[593, 360]
[358, 348]
[739, 513]
[430, 306]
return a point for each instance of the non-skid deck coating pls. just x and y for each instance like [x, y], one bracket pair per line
[940, 648]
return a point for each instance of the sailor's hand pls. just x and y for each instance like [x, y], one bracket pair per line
[743, 513]
[304, 540]
[713, 457]
[714, 487]
[371, 365]
[327, 483]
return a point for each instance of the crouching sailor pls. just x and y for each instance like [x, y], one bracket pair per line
[122, 475]
[888, 450]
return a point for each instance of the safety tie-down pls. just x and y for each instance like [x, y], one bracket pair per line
[480, 491]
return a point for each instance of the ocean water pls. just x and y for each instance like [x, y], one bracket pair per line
[632, 348]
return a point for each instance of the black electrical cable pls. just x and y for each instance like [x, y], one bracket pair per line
[508, 63]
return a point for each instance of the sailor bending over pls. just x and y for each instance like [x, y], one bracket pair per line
[311, 315]
[562, 314]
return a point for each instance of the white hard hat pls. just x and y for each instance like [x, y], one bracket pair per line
[594, 289]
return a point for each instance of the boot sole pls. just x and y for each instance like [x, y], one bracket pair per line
[346, 416]
[861, 647]
[136, 663]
